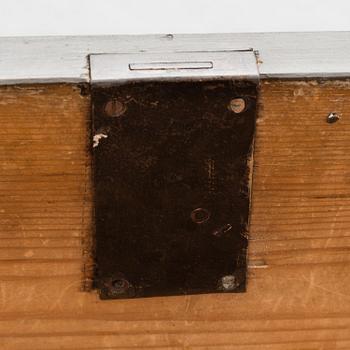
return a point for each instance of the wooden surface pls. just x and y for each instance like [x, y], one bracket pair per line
[299, 282]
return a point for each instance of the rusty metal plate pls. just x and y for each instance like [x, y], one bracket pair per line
[171, 165]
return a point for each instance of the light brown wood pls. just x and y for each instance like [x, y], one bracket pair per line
[299, 282]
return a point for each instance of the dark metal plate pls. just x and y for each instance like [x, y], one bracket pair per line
[171, 182]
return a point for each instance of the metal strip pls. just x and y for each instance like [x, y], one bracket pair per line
[28, 60]
[120, 68]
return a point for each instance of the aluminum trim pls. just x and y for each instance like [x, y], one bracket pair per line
[64, 59]
[111, 68]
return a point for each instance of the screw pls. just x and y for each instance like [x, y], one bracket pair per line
[120, 286]
[332, 118]
[237, 105]
[200, 215]
[114, 108]
[228, 283]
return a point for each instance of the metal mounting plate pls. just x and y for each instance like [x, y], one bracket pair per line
[171, 173]
[216, 65]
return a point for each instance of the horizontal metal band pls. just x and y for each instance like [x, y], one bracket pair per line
[203, 65]
[30, 60]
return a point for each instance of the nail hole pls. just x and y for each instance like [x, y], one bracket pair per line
[200, 215]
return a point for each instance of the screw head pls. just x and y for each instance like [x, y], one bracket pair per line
[332, 117]
[114, 108]
[237, 105]
[228, 283]
[120, 285]
[116, 286]
[200, 215]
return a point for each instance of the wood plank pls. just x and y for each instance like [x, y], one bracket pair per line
[299, 283]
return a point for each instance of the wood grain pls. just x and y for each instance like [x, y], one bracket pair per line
[299, 283]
